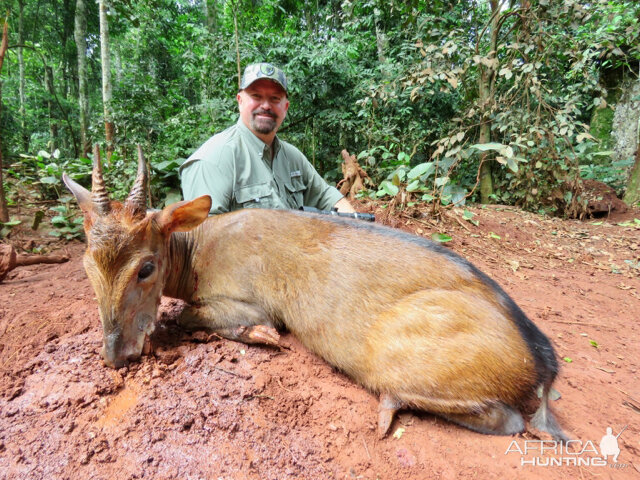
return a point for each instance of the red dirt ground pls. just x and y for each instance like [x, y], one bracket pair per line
[204, 408]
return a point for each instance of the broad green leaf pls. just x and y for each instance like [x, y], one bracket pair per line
[389, 188]
[426, 168]
[413, 186]
[50, 180]
[468, 216]
[440, 181]
[172, 197]
[441, 237]
[403, 157]
[506, 73]
[507, 151]
[484, 147]
[11, 223]
[59, 220]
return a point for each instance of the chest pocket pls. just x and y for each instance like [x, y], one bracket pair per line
[295, 192]
[259, 195]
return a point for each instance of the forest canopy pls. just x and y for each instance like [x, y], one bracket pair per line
[493, 101]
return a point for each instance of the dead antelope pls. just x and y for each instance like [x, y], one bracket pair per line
[404, 317]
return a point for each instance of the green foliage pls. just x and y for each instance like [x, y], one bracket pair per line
[67, 223]
[5, 227]
[441, 237]
[414, 89]
[43, 172]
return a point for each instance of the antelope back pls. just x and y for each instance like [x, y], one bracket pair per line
[126, 257]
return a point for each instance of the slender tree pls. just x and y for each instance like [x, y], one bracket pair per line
[632, 195]
[53, 122]
[4, 212]
[80, 34]
[486, 89]
[234, 6]
[106, 78]
[211, 15]
[21, 85]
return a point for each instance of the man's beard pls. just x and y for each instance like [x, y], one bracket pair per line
[263, 125]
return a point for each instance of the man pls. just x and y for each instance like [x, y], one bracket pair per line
[248, 166]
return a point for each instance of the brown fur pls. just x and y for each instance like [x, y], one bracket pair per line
[408, 320]
[388, 314]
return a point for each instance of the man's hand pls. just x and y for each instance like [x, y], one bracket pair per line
[343, 205]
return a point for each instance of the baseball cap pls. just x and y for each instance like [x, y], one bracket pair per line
[256, 71]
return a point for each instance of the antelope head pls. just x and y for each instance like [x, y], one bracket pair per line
[127, 257]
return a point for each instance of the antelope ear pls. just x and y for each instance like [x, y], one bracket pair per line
[83, 196]
[184, 216]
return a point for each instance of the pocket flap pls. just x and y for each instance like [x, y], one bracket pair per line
[295, 185]
[253, 192]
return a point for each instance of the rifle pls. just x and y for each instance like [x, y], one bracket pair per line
[368, 217]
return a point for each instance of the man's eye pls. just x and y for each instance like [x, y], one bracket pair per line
[146, 270]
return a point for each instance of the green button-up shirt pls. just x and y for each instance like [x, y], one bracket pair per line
[238, 170]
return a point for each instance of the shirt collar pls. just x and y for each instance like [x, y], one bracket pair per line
[254, 141]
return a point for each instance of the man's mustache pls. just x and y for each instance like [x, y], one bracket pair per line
[264, 112]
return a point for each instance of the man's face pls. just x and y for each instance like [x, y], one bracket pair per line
[263, 106]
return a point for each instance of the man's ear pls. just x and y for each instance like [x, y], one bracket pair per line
[183, 216]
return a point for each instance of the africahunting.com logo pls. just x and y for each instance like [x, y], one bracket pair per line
[548, 453]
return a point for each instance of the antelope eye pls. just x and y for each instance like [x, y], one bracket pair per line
[146, 270]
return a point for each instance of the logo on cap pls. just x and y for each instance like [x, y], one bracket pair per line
[267, 69]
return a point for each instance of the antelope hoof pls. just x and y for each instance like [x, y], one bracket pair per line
[264, 334]
[147, 348]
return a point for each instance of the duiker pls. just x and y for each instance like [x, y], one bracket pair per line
[404, 317]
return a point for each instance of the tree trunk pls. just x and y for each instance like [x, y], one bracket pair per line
[117, 57]
[237, 37]
[4, 212]
[53, 122]
[21, 84]
[632, 195]
[624, 134]
[381, 38]
[80, 34]
[106, 78]
[211, 14]
[486, 87]
[67, 32]
[308, 16]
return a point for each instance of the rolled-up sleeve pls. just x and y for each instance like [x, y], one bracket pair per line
[210, 176]
[318, 194]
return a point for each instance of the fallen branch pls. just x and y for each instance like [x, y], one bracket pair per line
[10, 260]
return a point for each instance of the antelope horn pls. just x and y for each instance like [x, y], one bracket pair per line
[99, 193]
[137, 199]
